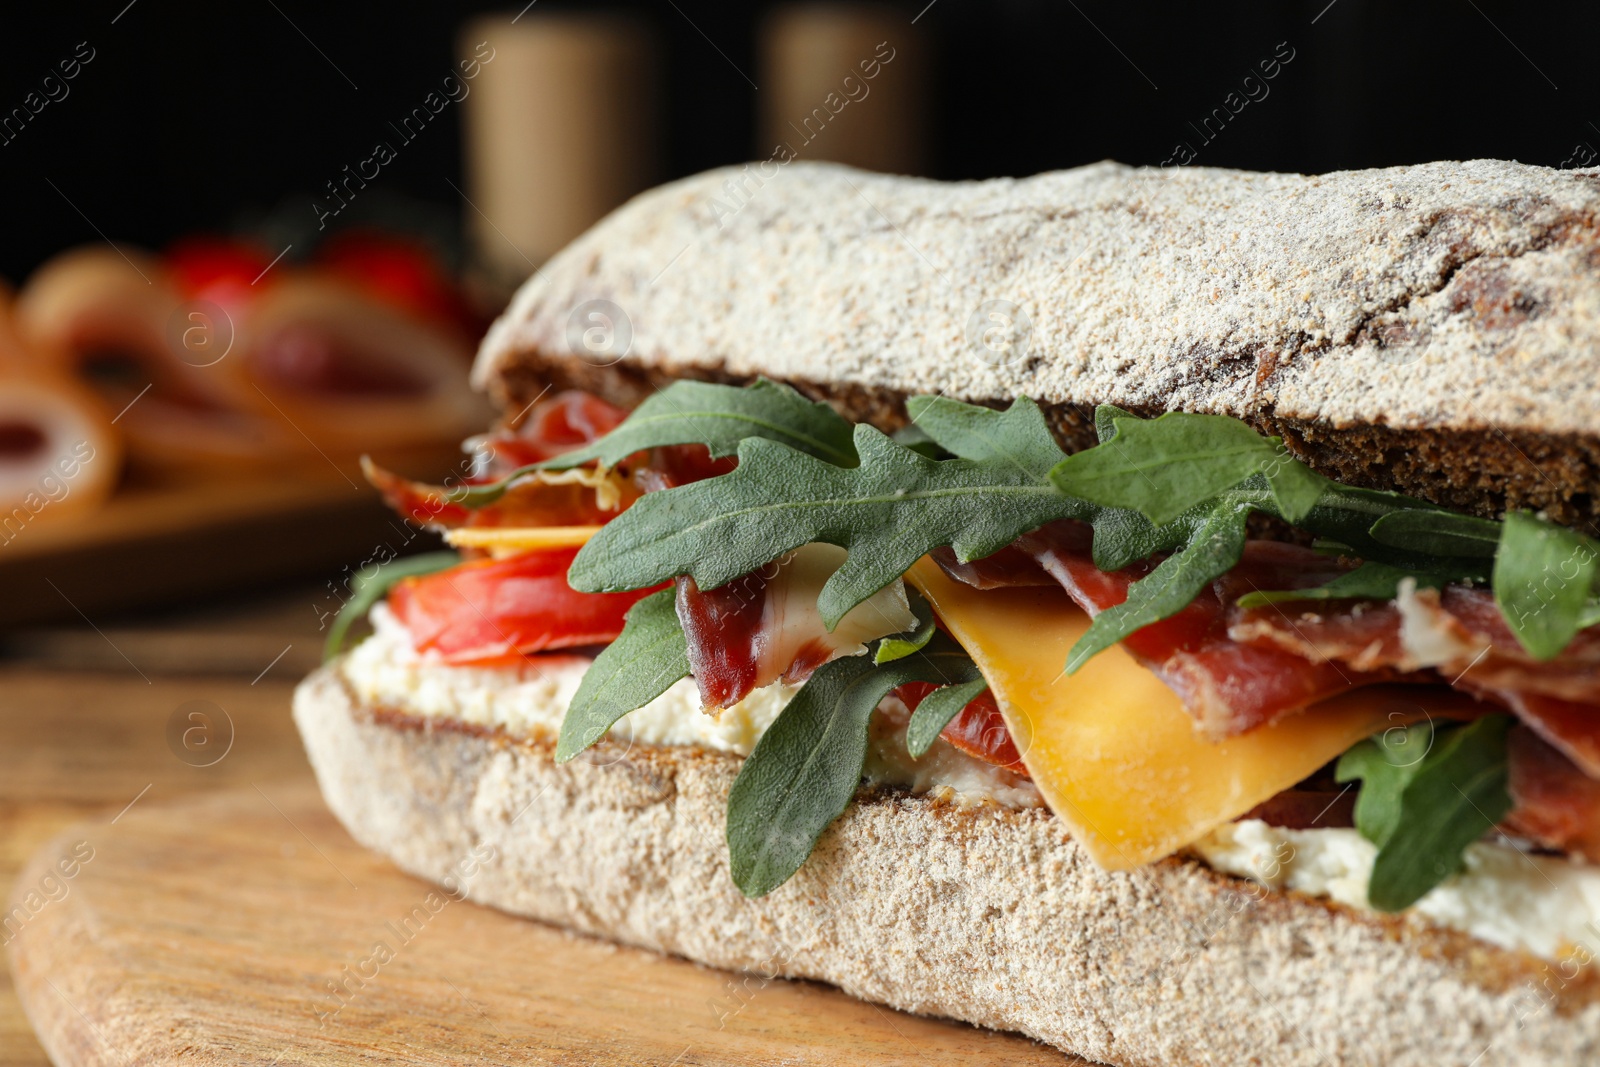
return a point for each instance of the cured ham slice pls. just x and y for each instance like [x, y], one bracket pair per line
[554, 425]
[1230, 687]
[1307, 809]
[1556, 804]
[1573, 729]
[1460, 634]
[352, 372]
[1458, 631]
[554, 498]
[1008, 568]
[557, 424]
[1237, 669]
[978, 729]
[765, 627]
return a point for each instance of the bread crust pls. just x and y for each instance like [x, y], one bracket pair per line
[991, 916]
[1432, 328]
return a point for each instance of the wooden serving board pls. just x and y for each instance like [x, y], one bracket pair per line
[156, 544]
[213, 930]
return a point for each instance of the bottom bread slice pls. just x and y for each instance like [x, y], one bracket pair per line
[988, 915]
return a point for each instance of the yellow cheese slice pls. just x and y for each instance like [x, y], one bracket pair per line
[519, 538]
[1111, 748]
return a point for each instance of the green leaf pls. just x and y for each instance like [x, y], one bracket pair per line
[1431, 532]
[1296, 488]
[643, 662]
[1163, 467]
[936, 711]
[365, 592]
[1105, 421]
[887, 513]
[916, 438]
[1590, 615]
[1543, 576]
[899, 646]
[1384, 764]
[1427, 807]
[1346, 515]
[1018, 435]
[717, 416]
[1370, 581]
[1122, 538]
[1217, 545]
[807, 766]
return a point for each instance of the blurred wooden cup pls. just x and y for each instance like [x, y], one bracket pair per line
[846, 83]
[559, 129]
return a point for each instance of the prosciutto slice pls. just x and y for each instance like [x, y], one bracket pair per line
[765, 627]
[1230, 687]
[1458, 631]
[557, 424]
[1237, 669]
[1557, 805]
[1573, 729]
[1460, 634]
[553, 498]
[978, 729]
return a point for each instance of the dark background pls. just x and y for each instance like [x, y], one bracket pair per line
[211, 117]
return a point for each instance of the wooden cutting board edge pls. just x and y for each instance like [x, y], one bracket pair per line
[90, 1015]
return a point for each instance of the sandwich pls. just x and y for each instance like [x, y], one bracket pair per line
[1152, 611]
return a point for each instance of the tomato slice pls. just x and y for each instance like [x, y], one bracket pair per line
[495, 611]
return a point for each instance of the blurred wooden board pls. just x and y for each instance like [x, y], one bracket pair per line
[154, 545]
[214, 930]
[78, 745]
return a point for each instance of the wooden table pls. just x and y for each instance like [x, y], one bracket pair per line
[83, 735]
[208, 916]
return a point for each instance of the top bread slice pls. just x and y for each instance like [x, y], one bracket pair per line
[1433, 329]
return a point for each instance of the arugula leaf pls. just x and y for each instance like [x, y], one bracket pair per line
[901, 645]
[1543, 576]
[689, 412]
[806, 768]
[1122, 537]
[1384, 764]
[1105, 421]
[936, 711]
[1216, 546]
[643, 662]
[1431, 532]
[1370, 581]
[887, 513]
[719, 417]
[1163, 467]
[1018, 435]
[365, 592]
[1590, 615]
[1296, 488]
[916, 438]
[1277, 485]
[1423, 806]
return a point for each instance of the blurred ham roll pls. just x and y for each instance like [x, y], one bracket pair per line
[351, 372]
[121, 322]
[59, 453]
[220, 361]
